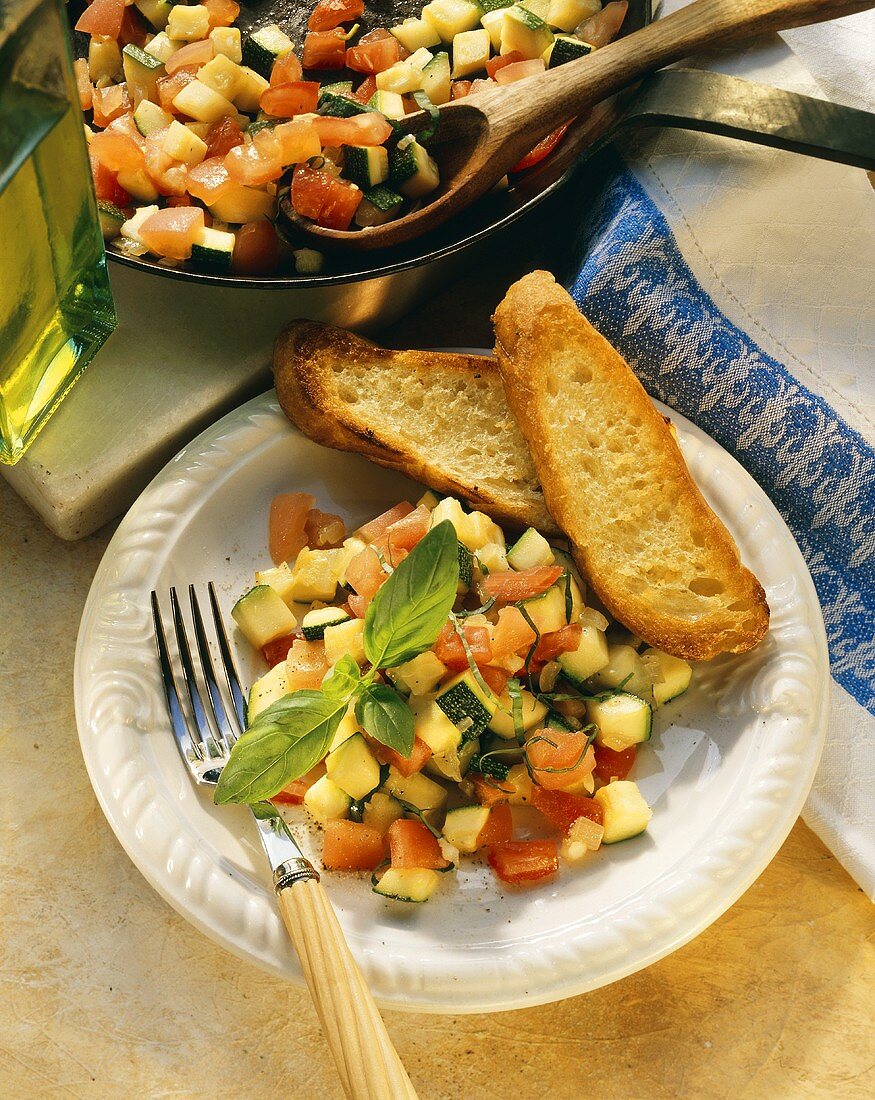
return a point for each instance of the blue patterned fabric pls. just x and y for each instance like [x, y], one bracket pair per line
[632, 282]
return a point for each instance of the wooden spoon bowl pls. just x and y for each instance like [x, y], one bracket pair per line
[480, 138]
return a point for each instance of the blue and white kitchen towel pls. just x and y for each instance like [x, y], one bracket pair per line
[753, 314]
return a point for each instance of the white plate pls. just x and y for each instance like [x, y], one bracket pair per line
[726, 773]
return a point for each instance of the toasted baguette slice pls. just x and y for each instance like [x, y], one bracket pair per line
[616, 482]
[438, 418]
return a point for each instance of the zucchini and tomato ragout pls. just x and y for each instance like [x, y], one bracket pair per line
[196, 129]
[520, 696]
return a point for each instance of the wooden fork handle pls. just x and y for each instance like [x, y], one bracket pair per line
[367, 1062]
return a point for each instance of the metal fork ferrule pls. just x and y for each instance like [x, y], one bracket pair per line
[292, 871]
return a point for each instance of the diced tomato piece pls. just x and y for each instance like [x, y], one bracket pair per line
[511, 634]
[519, 71]
[496, 678]
[543, 149]
[209, 180]
[365, 90]
[223, 136]
[223, 13]
[135, 31]
[286, 70]
[190, 56]
[84, 87]
[479, 84]
[324, 530]
[604, 26]
[412, 845]
[340, 206]
[288, 515]
[327, 201]
[276, 651]
[365, 574]
[325, 50]
[559, 759]
[116, 151]
[169, 87]
[373, 529]
[449, 649]
[352, 846]
[407, 765]
[521, 861]
[102, 18]
[489, 791]
[106, 185]
[510, 587]
[562, 809]
[171, 232]
[309, 188]
[329, 14]
[610, 764]
[257, 248]
[305, 664]
[376, 51]
[404, 533]
[255, 163]
[109, 103]
[298, 97]
[370, 128]
[502, 60]
[558, 641]
[293, 794]
[499, 827]
[459, 89]
[358, 605]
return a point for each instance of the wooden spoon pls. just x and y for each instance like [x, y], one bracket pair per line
[480, 138]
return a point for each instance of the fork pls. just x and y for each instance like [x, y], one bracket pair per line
[367, 1062]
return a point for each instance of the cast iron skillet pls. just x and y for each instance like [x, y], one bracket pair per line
[685, 99]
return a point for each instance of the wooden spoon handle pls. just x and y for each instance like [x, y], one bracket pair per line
[367, 1062]
[521, 114]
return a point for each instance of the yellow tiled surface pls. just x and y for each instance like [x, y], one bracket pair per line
[106, 992]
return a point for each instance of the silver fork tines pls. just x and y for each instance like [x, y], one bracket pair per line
[205, 739]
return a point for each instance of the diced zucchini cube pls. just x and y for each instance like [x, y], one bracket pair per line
[381, 810]
[413, 171]
[149, 118]
[402, 77]
[345, 638]
[493, 558]
[530, 551]
[104, 61]
[325, 801]
[623, 720]
[213, 249]
[280, 579]
[380, 205]
[222, 75]
[624, 810]
[250, 88]
[568, 14]
[491, 6]
[264, 46]
[548, 611]
[138, 185]
[156, 11]
[347, 728]
[390, 104]
[142, 72]
[226, 41]
[589, 658]
[431, 725]
[471, 51]
[525, 33]
[181, 144]
[420, 675]
[188, 24]
[532, 713]
[519, 782]
[565, 48]
[492, 22]
[625, 669]
[412, 884]
[353, 767]
[436, 79]
[272, 686]
[417, 789]
[413, 34]
[317, 621]
[202, 103]
[366, 165]
[262, 616]
[463, 826]
[451, 17]
[111, 219]
[671, 675]
[161, 47]
[454, 763]
[240, 205]
[316, 574]
[466, 704]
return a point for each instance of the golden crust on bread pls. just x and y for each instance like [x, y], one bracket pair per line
[616, 482]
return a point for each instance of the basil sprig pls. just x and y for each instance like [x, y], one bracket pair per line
[293, 734]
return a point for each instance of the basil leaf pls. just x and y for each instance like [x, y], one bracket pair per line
[264, 811]
[344, 679]
[408, 611]
[383, 714]
[284, 742]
